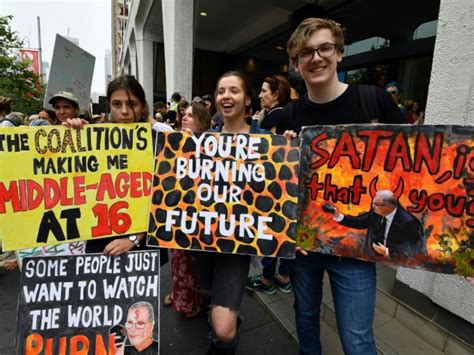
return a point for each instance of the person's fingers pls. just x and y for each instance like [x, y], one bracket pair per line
[76, 123]
[118, 247]
[301, 251]
[9, 266]
[114, 252]
[107, 249]
[379, 249]
[289, 134]
[67, 123]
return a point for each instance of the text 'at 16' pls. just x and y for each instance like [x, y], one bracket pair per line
[110, 219]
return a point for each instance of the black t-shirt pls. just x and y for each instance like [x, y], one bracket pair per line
[345, 109]
[271, 118]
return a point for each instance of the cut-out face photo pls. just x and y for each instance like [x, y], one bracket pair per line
[138, 329]
[140, 323]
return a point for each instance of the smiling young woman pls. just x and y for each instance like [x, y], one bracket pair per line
[218, 271]
[233, 101]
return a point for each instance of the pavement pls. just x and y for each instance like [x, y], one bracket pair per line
[259, 333]
[9, 288]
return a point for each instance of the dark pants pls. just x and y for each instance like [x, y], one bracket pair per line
[269, 270]
[225, 275]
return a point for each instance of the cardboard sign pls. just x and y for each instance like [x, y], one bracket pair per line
[61, 185]
[225, 193]
[72, 69]
[420, 178]
[74, 248]
[88, 304]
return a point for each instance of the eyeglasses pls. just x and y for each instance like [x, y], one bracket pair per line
[326, 50]
[393, 92]
[137, 325]
[378, 204]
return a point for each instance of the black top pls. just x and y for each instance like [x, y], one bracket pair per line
[345, 109]
[272, 118]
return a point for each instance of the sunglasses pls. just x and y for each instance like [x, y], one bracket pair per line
[393, 92]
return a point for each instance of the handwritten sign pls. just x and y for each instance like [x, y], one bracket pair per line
[399, 194]
[225, 193]
[88, 304]
[72, 69]
[63, 185]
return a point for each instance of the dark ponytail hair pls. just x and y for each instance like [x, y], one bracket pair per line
[129, 84]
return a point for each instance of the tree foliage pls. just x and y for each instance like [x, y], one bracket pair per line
[24, 87]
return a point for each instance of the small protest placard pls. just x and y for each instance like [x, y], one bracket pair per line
[62, 185]
[72, 69]
[225, 193]
[89, 304]
[398, 194]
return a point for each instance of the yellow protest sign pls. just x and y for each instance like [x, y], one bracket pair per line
[61, 185]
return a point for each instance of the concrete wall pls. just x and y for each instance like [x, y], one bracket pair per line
[450, 101]
[138, 59]
[178, 33]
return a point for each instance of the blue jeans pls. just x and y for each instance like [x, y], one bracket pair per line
[353, 285]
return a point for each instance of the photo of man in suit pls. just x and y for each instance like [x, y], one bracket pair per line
[392, 231]
[139, 330]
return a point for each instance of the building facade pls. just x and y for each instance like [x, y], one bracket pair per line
[119, 25]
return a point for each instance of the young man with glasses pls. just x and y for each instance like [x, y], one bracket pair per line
[315, 49]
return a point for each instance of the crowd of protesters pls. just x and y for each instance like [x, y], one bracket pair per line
[199, 279]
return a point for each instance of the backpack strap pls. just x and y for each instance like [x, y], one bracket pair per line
[368, 103]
